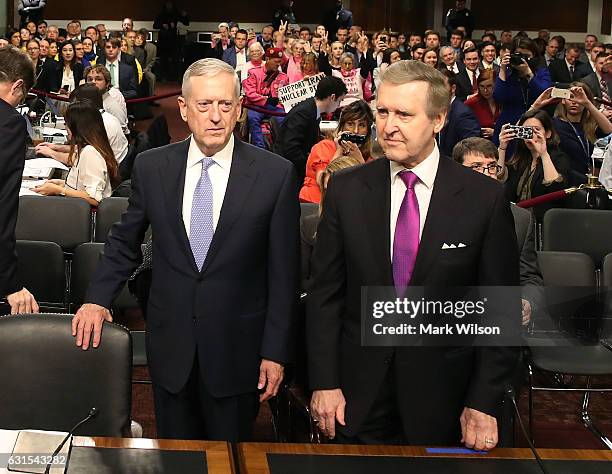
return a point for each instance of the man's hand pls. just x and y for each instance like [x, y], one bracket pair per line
[526, 312]
[89, 318]
[22, 302]
[328, 406]
[270, 376]
[478, 430]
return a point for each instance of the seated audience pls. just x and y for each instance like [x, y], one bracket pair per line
[122, 68]
[579, 124]
[467, 78]
[293, 66]
[236, 55]
[600, 85]
[568, 69]
[417, 51]
[79, 52]
[551, 51]
[93, 168]
[518, 83]
[432, 39]
[389, 57]
[149, 58]
[14, 38]
[331, 62]
[300, 130]
[256, 53]
[450, 60]
[89, 51]
[430, 57]
[112, 99]
[481, 156]
[488, 53]
[353, 78]
[356, 118]
[62, 76]
[261, 89]
[483, 104]
[537, 166]
[33, 49]
[460, 121]
[117, 140]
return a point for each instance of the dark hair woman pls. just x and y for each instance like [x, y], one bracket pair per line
[537, 166]
[62, 76]
[93, 165]
[522, 78]
[356, 118]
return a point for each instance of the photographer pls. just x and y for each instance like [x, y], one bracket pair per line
[357, 119]
[519, 83]
[579, 124]
[537, 166]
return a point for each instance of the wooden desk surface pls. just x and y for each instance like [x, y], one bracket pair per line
[218, 453]
[253, 458]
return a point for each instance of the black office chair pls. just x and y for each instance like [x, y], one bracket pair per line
[578, 230]
[54, 383]
[109, 212]
[65, 221]
[568, 354]
[41, 269]
[84, 262]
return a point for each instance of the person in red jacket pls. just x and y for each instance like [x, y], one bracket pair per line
[261, 89]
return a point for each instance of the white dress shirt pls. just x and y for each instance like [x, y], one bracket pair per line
[426, 172]
[114, 103]
[471, 74]
[454, 68]
[241, 60]
[116, 138]
[90, 174]
[219, 174]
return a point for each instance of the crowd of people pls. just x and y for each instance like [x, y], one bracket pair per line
[419, 119]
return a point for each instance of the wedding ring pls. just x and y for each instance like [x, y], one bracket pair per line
[488, 441]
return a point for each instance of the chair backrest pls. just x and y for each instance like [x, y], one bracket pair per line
[109, 212]
[578, 230]
[566, 269]
[54, 383]
[42, 270]
[84, 262]
[606, 271]
[65, 221]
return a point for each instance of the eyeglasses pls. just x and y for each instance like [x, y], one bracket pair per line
[489, 169]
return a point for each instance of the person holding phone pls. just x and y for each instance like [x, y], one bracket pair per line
[356, 118]
[579, 124]
[62, 76]
[537, 166]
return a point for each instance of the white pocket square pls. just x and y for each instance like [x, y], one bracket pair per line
[446, 246]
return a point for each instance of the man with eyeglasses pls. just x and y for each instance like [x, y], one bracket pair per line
[481, 156]
[16, 78]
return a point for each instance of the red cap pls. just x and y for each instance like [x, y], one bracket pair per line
[274, 53]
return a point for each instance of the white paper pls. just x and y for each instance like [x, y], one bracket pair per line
[45, 163]
[53, 131]
[8, 439]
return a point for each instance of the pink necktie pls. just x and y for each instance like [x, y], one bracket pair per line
[406, 239]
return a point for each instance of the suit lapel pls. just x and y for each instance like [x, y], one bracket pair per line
[440, 218]
[241, 179]
[172, 177]
[376, 200]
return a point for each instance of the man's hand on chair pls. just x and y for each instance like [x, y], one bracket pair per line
[89, 319]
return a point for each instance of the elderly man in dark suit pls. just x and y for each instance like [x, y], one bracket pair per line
[122, 67]
[16, 78]
[388, 223]
[460, 121]
[299, 131]
[220, 316]
[481, 156]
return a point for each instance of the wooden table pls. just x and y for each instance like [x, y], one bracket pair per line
[218, 453]
[253, 459]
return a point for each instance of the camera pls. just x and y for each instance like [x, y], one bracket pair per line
[522, 132]
[355, 138]
[516, 59]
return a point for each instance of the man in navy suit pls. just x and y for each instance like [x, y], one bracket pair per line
[122, 67]
[225, 217]
[460, 122]
[236, 55]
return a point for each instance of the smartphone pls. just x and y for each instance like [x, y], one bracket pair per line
[558, 93]
[355, 138]
[521, 132]
[383, 38]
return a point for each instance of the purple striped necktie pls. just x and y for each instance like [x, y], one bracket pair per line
[406, 239]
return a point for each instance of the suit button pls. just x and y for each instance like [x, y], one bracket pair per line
[200, 278]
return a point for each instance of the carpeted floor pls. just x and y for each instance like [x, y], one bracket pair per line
[557, 415]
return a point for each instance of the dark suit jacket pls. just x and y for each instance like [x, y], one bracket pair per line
[352, 250]
[525, 236]
[50, 79]
[299, 132]
[128, 75]
[229, 56]
[460, 123]
[13, 132]
[593, 82]
[560, 73]
[240, 307]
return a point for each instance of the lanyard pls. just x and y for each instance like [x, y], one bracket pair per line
[585, 146]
